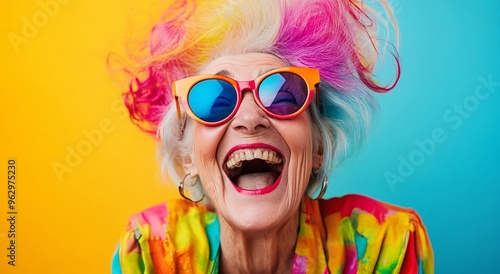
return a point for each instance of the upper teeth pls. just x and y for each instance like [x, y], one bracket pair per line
[236, 158]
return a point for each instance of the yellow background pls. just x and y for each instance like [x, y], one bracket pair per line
[58, 99]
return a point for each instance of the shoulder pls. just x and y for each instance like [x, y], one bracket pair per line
[165, 216]
[153, 218]
[161, 238]
[160, 220]
[375, 236]
[353, 205]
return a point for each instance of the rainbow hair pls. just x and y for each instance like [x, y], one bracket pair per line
[344, 39]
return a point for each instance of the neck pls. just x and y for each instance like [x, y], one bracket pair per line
[258, 252]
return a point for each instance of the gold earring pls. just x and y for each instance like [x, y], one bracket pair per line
[181, 190]
[324, 185]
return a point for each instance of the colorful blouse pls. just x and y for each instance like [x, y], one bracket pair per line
[350, 234]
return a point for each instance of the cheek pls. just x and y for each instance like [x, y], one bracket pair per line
[300, 168]
[298, 136]
[206, 141]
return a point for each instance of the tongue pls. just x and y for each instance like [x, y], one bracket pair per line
[253, 181]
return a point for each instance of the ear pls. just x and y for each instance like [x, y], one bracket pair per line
[317, 161]
[189, 166]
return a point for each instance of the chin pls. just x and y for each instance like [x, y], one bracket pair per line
[257, 213]
[257, 220]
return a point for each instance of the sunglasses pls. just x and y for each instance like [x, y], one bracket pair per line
[213, 100]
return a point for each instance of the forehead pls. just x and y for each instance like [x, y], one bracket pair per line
[244, 66]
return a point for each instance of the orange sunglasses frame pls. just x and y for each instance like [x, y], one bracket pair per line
[182, 87]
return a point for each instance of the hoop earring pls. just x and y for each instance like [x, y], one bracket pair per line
[181, 190]
[324, 185]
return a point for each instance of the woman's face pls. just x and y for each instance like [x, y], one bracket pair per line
[255, 169]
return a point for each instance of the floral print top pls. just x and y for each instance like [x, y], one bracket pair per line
[349, 234]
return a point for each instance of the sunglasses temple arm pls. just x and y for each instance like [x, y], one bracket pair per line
[316, 95]
[177, 107]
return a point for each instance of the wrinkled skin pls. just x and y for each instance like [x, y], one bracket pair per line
[258, 232]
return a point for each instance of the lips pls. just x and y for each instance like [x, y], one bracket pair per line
[254, 169]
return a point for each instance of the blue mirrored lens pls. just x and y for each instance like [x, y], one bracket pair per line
[283, 93]
[212, 100]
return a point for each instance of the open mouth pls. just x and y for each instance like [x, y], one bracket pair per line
[254, 169]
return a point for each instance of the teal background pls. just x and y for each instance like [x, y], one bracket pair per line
[446, 48]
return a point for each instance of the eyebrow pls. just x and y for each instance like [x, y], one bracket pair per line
[264, 71]
[230, 75]
[224, 73]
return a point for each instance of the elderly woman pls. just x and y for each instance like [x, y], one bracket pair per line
[254, 103]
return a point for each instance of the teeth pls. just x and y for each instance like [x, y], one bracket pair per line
[236, 159]
[249, 155]
[273, 158]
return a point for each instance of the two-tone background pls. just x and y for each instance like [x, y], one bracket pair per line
[82, 168]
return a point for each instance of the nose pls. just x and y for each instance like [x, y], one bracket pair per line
[249, 118]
